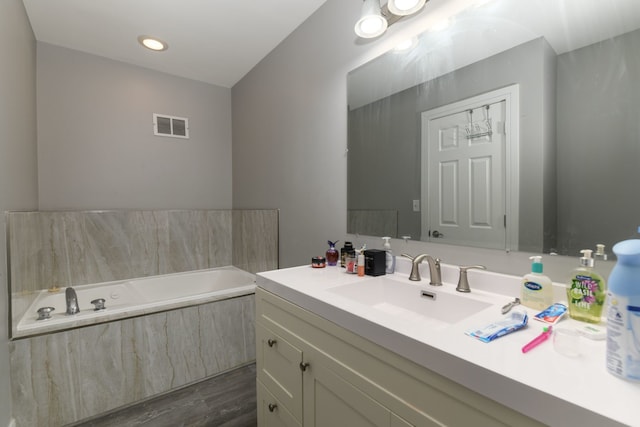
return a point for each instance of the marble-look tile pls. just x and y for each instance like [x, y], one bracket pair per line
[220, 238]
[63, 377]
[188, 241]
[124, 244]
[255, 240]
[373, 222]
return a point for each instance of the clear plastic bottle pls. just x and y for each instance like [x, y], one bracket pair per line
[390, 265]
[537, 289]
[586, 291]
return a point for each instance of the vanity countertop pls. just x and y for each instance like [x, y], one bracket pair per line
[552, 388]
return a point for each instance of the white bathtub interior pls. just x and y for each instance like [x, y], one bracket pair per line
[132, 297]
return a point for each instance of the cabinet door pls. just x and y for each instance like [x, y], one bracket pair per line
[330, 401]
[271, 412]
[278, 366]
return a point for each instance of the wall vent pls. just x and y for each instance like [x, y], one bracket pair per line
[175, 127]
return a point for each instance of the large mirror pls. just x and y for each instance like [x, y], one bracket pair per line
[516, 127]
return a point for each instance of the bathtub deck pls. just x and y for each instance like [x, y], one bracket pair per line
[227, 400]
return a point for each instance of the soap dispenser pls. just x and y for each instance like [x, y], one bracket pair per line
[537, 289]
[586, 290]
[390, 265]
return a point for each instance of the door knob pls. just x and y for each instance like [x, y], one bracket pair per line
[303, 366]
[271, 342]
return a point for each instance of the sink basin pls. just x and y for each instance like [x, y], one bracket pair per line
[405, 301]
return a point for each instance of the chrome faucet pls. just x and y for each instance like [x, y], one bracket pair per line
[434, 268]
[72, 301]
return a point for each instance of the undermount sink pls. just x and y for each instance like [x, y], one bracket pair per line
[407, 301]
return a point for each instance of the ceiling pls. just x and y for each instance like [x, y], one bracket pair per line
[214, 41]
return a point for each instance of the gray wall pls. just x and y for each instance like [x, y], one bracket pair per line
[290, 132]
[384, 137]
[598, 112]
[96, 148]
[18, 167]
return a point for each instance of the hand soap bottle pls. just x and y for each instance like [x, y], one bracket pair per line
[537, 289]
[586, 291]
[390, 257]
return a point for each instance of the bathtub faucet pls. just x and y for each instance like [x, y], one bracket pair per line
[72, 301]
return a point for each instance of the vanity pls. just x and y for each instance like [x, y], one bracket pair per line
[334, 349]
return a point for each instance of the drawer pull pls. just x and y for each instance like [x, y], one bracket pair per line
[303, 366]
[271, 342]
[272, 407]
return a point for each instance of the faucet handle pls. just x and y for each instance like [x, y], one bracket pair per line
[463, 281]
[44, 313]
[407, 256]
[99, 304]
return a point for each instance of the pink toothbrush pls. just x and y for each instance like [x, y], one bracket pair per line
[546, 333]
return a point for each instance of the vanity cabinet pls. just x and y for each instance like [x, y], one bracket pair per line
[314, 373]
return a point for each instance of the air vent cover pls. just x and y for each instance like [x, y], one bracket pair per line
[176, 127]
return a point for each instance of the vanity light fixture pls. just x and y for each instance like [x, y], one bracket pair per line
[374, 19]
[153, 43]
[371, 23]
[405, 7]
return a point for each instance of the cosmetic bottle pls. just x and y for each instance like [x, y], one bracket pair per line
[332, 253]
[586, 291]
[361, 263]
[346, 250]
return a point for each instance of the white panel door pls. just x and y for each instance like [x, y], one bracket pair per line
[466, 188]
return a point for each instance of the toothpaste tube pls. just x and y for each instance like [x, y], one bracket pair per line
[516, 320]
[552, 314]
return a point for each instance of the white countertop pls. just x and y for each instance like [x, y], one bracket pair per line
[554, 389]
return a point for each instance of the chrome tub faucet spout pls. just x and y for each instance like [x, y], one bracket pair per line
[72, 301]
[434, 268]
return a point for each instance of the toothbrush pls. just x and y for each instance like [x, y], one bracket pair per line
[546, 332]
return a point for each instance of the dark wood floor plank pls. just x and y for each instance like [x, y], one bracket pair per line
[227, 400]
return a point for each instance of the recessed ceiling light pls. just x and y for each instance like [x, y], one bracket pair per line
[152, 43]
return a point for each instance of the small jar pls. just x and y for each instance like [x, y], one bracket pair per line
[318, 262]
[351, 264]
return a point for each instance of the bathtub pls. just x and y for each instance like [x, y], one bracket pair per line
[135, 297]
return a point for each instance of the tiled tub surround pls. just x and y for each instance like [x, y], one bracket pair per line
[59, 249]
[62, 377]
[134, 297]
[67, 376]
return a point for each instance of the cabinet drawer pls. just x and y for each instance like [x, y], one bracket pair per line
[278, 365]
[271, 412]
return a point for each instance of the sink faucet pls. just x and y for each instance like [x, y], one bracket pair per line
[72, 301]
[463, 280]
[434, 268]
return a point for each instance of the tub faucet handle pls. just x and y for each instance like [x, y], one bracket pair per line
[44, 313]
[99, 304]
